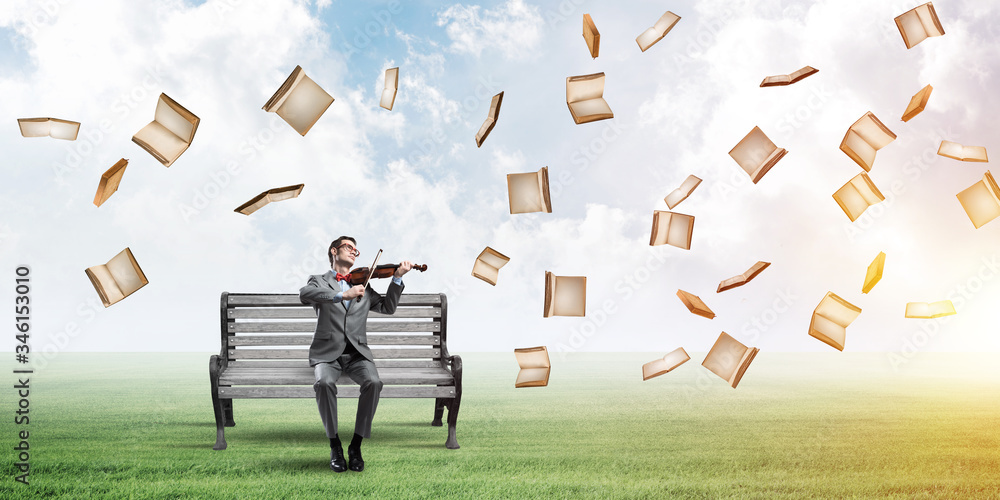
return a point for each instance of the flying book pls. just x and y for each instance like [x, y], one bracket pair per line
[756, 154]
[491, 119]
[857, 195]
[776, 80]
[391, 85]
[170, 133]
[565, 295]
[917, 103]
[585, 98]
[831, 318]
[591, 35]
[981, 200]
[742, 279]
[874, 273]
[680, 194]
[695, 304]
[672, 360]
[529, 192]
[927, 310]
[49, 127]
[535, 367]
[299, 101]
[671, 228]
[729, 359]
[488, 264]
[109, 182]
[918, 24]
[957, 151]
[659, 30]
[276, 194]
[864, 138]
[118, 278]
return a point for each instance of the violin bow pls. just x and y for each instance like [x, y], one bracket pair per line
[371, 270]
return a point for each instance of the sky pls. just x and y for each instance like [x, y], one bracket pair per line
[412, 182]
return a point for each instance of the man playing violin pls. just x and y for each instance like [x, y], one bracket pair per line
[340, 344]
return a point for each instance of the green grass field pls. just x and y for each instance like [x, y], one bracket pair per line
[832, 425]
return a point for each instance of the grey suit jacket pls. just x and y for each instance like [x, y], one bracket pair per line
[336, 323]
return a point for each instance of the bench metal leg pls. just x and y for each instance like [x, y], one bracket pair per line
[227, 408]
[438, 411]
[456, 369]
[220, 431]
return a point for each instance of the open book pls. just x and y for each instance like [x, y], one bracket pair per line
[831, 318]
[680, 194]
[695, 304]
[742, 279]
[929, 310]
[918, 24]
[671, 228]
[299, 101]
[49, 127]
[109, 182]
[585, 98]
[981, 200]
[729, 359]
[658, 367]
[276, 194]
[118, 278]
[659, 30]
[776, 80]
[389, 91]
[917, 103]
[565, 295]
[488, 264]
[170, 133]
[591, 35]
[529, 192]
[857, 195]
[864, 138]
[491, 119]
[535, 367]
[874, 273]
[957, 151]
[756, 154]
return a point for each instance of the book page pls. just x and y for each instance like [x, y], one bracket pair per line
[680, 194]
[873, 131]
[828, 331]
[753, 151]
[725, 356]
[523, 193]
[532, 377]
[175, 118]
[127, 275]
[162, 141]
[570, 296]
[596, 107]
[667, 363]
[543, 189]
[485, 272]
[911, 28]
[929, 310]
[929, 20]
[532, 357]
[647, 38]
[304, 105]
[493, 258]
[584, 87]
[108, 288]
[981, 201]
[858, 149]
[837, 310]
[666, 23]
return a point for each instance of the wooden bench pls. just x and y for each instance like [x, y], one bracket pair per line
[265, 351]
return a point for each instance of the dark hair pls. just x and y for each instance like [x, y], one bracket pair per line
[336, 243]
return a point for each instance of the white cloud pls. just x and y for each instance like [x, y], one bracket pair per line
[514, 29]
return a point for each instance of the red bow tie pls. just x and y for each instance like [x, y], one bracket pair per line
[345, 277]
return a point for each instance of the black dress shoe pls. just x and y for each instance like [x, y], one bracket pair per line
[357, 464]
[337, 462]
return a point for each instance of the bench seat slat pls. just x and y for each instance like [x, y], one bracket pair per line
[269, 340]
[292, 299]
[306, 376]
[309, 312]
[351, 391]
[393, 353]
[310, 327]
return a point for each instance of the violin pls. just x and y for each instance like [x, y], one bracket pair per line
[359, 276]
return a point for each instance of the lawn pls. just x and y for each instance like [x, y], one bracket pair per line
[824, 425]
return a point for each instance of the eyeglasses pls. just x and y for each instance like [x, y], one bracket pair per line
[350, 249]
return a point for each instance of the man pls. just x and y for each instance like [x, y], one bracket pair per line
[340, 344]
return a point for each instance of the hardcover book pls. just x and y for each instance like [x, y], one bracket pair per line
[49, 127]
[874, 274]
[729, 359]
[919, 24]
[857, 195]
[269, 196]
[488, 264]
[659, 30]
[671, 228]
[299, 101]
[109, 182]
[756, 154]
[831, 318]
[981, 200]
[671, 360]
[529, 192]
[170, 133]
[389, 90]
[585, 98]
[534, 367]
[864, 138]
[491, 119]
[917, 103]
[776, 80]
[117, 279]
[695, 304]
[565, 295]
[680, 194]
[742, 279]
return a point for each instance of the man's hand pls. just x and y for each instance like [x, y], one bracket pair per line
[354, 292]
[403, 268]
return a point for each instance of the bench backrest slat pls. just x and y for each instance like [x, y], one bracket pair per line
[281, 340]
[392, 353]
[291, 299]
[307, 312]
[310, 326]
[300, 363]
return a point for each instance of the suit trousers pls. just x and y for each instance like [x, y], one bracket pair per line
[362, 371]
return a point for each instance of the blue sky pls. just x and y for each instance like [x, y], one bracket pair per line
[411, 180]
